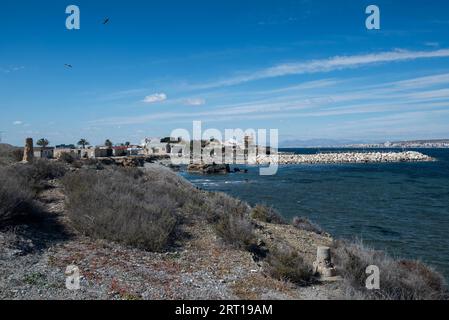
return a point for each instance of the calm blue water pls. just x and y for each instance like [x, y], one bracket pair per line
[402, 207]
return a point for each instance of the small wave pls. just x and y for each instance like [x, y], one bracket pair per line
[235, 182]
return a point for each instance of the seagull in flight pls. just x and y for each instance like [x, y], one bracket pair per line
[105, 21]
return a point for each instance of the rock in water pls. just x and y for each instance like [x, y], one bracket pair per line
[209, 168]
[28, 153]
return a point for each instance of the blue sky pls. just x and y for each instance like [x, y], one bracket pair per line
[308, 68]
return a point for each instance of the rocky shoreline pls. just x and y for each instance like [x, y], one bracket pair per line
[346, 157]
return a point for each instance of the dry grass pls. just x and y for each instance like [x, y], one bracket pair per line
[66, 157]
[305, 224]
[399, 280]
[38, 171]
[9, 154]
[127, 205]
[19, 185]
[284, 263]
[230, 220]
[16, 198]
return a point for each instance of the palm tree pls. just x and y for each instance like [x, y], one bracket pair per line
[43, 143]
[84, 143]
[127, 143]
[108, 143]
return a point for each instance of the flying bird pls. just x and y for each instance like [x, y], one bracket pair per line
[68, 65]
[105, 21]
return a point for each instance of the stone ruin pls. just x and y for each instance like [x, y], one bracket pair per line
[323, 265]
[28, 152]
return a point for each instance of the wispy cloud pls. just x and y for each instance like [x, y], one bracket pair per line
[419, 94]
[327, 65]
[17, 123]
[157, 97]
[195, 102]
[421, 82]
[122, 94]
[11, 69]
[432, 44]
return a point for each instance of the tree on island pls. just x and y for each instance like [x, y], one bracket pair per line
[43, 143]
[83, 143]
[108, 143]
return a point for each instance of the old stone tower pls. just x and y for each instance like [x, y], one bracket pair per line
[28, 152]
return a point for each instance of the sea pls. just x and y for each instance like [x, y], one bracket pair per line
[402, 208]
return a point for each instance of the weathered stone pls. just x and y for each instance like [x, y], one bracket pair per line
[209, 168]
[28, 153]
[323, 265]
[323, 254]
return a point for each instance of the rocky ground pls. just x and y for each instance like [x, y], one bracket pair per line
[34, 258]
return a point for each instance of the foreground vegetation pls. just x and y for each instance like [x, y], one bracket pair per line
[149, 209]
[19, 185]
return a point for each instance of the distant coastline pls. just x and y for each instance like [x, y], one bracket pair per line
[334, 144]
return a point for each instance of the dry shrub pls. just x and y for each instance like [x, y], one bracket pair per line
[230, 219]
[236, 231]
[127, 205]
[16, 196]
[19, 184]
[399, 280]
[267, 214]
[307, 225]
[10, 154]
[17, 155]
[36, 172]
[66, 157]
[284, 263]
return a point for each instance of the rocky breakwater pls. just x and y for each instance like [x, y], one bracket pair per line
[346, 157]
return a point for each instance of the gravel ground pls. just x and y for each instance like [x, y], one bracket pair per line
[34, 258]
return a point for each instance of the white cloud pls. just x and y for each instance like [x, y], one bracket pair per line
[157, 97]
[438, 79]
[12, 69]
[196, 102]
[330, 64]
[432, 44]
[415, 94]
[17, 123]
